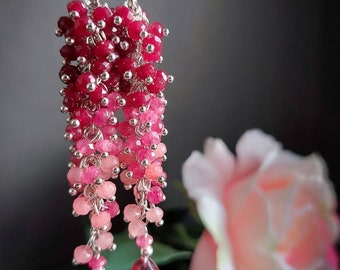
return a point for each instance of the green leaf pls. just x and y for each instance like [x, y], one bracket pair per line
[127, 253]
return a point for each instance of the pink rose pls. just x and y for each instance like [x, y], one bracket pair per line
[267, 209]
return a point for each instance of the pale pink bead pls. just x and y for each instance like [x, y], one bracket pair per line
[82, 206]
[82, 254]
[105, 175]
[132, 212]
[155, 214]
[100, 220]
[75, 175]
[154, 171]
[151, 137]
[104, 240]
[137, 228]
[144, 241]
[127, 180]
[149, 116]
[85, 147]
[102, 117]
[161, 150]
[90, 174]
[109, 163]
[105, 146]
[155, 195]
[157, 105]
[106, 190]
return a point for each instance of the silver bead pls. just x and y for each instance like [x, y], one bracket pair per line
[74, 213]
[58, 32]
[149, 80]
[78, 155]
[147, 252]
[111, 57]
[68, 136]
[105, 76]
[104, 155]
[115, 170]
[145, 162]
[129, 174]
[164, 132]
[133, 122]
[114, 137]
[64, 109]
[171, 79]
[62, 92]
[74, 262]
[117, 20]
[104, 102]
[77, 186]
[69, 41]
[91, 27]
[153, 146]
[65, 78]
[150, 48]
[71, 165]
[166, 32]
[143, 34]
[75, 123]
[99, 181]
[127, 187]
[127, 150]
[148, 124]
[74, 14]
[124, 45]
[121, 102]
[142, 109]
[116, 40]
[160, 223]
[113, 120]
[165, 102]
[164, 158]
[72, 192]
[91, 87]
[128, 75]
[160, 60]
[81, 60]
[101, 24]
[160, 95]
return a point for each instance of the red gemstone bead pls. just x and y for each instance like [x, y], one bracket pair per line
[77, 6]
[73, 100]
[83, 50]
[113, 81]
[125, 14]
[102, 14]
[137, 170]
[155, 195]
[84, 116]
[104, 48]
[135, 29]
[77, 133]
[126, 129]
[99, 66]
[145, 263]
[81, 27]
[84, 80]
[65, 23]
[156, 29]
[138, 99]
[159, 82]
[154, 42]
[147, 70]
[70, 71]
[97, 95]
[68, 52]
[126, 64]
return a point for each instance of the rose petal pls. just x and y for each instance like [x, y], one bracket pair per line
[252, 148]
[204, 256]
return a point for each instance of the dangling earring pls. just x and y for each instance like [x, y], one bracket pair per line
[114, 97]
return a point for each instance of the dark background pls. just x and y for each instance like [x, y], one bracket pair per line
[238, 64]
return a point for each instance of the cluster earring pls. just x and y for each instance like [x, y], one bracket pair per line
[114, 97]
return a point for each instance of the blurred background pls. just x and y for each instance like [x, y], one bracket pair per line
[270, 64]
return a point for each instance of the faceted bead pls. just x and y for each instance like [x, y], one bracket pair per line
[97, 263]
[135, 29]
[82, 254]
[64, 23]
[150, 138]
[84, 80]
[137, 170]
[113, 101]
[99, 66]
[102, 14]
[104, 48]
[159, 82]
[109, 163]
[145, 71]
[126, 50]
[77, 133]
[75, 175]
[83, 50]
[106, 190]
[155, 195]
[84, 116]
[82, 206]
[137, 228]
[112, 208]
[68, 52]
[108, 131]
[144, 241]
[154, 214]
[138, 99]
[97, 95]
[157, 106]
[158, 126]
[81, 27]
[156, 29]
[125, 14]
[113, 81]
[132, 212]
[104, 240]
[126, 64]
[133, 143]
[90, 174]
[154, 171]
[146, 154]
[105, 146]
[100, 220]
[69, 70]
[126, 129]
[102, 117]
[85, 147]
[145, 263]
[127, 180]
[161, 150]
[156, 43]
[149, 116]
[130, 112]
[72, 100]
[77, 6]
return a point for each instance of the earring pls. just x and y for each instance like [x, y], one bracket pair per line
[115, 101]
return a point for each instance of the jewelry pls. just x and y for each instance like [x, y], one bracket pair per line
[115, 101]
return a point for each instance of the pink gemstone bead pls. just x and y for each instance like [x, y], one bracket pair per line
[102, 117]
[105, 175]
[83, 50]
[112, 208]
[155, 195]
[100, 220]
[158, 126]
[149, 116]
[104, 240]
[125, 14]
[145, 263]
[97, 264]
[132, 212]
[83, 80]
[130, 112]
[107, 190]
[138, 99]
[82, 206]
[77, 6]
[82, 254]
[84, 116]
[159, 82]
[126, 64]
[108, 131]
[133, 143]
[146, 154]
[75, 175]
[154, 171]
[126, 129]
[157, 106]
[102, 14]
[97, 95]
[104, 48]
[80, 27]
[151, 137]
[105, 146]
[127, 180]
[113, 101]
[156, 29]
[161, 150]
[144, 241]
[137, 170]
[90, 174]
[147, 70]
[99, 66]
[155, 214]
[137, 228]
[109, 163]
[85, 147]
[135, 29]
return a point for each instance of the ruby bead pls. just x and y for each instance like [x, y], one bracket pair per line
[104, 48]
[97, 95]
[83, 50]
[84, 116]
[145, 263]
[70, 71]
[138, 99]
[130, 49]
[113, 81]
[77, 133]
[132, 212]
[108, 131]
[82, 254]
[113, 101]
[158, 126]
[130, 112]
[126, 129]
[156, 29]
[156, 43]
[64, 23]
[85, 147]
[73, 100]
[147, 70]
[84, 80]
[133, 143]
[68, 52]
[137, 170]
[77, 6]
[144, 241]
[126, 64]
[81, 27]
[97, 263]
[125, 14]
[135, 29]
[91, 174]
[159, 82]
[112, 208]
[155, 195]
[102, 117]
[125, 86]
[82, 206]
[150, 138]
[146, 154]
[104, 240]
[102, 14]
[100, 66]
